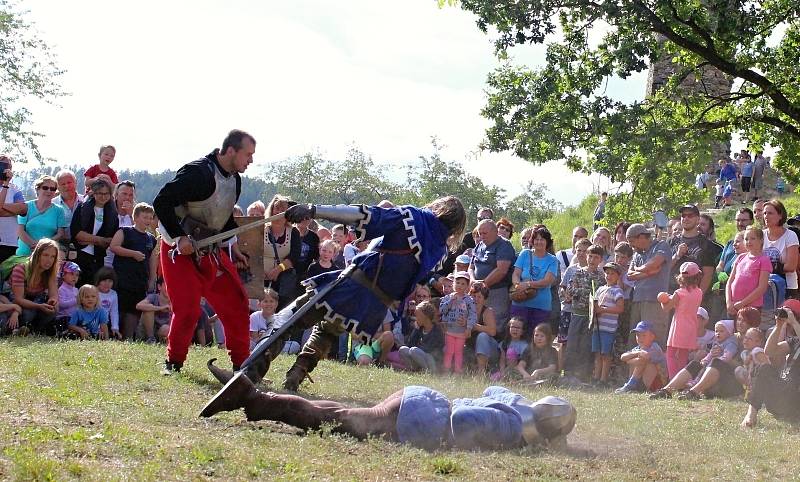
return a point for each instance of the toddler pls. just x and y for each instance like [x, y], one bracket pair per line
[89, 320]
[67, 293]
[459, 316]
[718, 191]
[752, 355]
[645, 362]
[102, 169]
[683, 330]
[425, 342]
[105, 279]
[513, 352]
[328, 250]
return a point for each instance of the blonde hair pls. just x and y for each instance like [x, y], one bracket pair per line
[33, 274]
[83, 290]
[428, 309]
[333, 244]
[271, 293]
[276, 199]
[46, 178]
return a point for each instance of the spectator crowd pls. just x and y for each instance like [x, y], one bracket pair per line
[635, 308]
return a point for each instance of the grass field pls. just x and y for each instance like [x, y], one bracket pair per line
[100, 411]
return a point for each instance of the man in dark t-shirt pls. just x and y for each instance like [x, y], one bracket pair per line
[691, 245]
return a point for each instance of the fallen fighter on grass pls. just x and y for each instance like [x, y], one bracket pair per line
[416, 415]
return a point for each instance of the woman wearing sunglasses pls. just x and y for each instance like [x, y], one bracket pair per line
[43, 219]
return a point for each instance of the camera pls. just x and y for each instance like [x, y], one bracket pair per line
[781, 313]
[4, 165]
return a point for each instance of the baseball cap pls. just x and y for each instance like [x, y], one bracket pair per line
[463, 259]
[702, 312]
[635, 230]
[70, 267]
[642, 326]
[614, 266]
[689, 207]
[690, 268]
[461, 274]
[793, 305]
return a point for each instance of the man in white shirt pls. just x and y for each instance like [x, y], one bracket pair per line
[68, 197]
[565, 255]
[12, 204]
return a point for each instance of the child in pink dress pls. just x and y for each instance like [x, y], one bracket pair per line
[750, 274]
[683, 330]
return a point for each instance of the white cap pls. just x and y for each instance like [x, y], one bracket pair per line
[702, 312]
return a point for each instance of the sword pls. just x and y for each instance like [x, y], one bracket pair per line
[202, 243]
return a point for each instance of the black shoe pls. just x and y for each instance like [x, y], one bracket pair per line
[690, 395]
[663, 393]
[171, 368]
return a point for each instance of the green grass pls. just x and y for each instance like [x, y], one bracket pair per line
[562, 223]
[100, 411]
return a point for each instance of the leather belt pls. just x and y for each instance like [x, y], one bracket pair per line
[361, 278]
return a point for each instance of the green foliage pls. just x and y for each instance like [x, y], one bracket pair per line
[28, 71]
[562, 223]
[562, 111]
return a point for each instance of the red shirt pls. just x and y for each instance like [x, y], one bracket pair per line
[95, 171]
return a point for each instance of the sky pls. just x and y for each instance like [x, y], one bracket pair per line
[163, 81]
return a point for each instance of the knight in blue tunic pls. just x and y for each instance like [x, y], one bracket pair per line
[416, 415]
[407, 243]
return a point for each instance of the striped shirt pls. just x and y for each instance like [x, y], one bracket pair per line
[607, 297]
[18, 279]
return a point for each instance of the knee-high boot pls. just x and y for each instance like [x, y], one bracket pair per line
[315, 349]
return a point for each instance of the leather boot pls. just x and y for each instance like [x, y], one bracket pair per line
[315, 349]
[234, 395]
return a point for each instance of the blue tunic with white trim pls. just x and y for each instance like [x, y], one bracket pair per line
[395, 231]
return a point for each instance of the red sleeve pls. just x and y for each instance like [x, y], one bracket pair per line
[113, 176]
[18, 276]
[92, 171]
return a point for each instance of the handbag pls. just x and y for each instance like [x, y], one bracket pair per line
[517, 294]
[287, 280]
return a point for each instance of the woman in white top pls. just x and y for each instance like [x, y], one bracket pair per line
[780, 244]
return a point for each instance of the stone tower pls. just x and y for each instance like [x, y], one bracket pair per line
[713, 81]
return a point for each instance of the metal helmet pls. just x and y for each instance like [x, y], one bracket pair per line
[549, 419]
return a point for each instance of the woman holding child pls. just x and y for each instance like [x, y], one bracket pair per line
[34, 288]
[93, 225]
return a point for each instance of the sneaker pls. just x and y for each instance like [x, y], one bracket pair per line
[171, 368]
[151, 341]
[663, 393]
[633, 386]
[689, 395]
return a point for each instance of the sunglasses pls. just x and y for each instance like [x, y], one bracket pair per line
[49, 188]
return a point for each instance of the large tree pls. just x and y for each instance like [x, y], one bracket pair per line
[562, 110]
[28, 71]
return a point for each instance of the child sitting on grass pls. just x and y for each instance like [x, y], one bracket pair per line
[752, 355]
[89, 320]
[513, 352]
[542, 361]
[646, 362]
[715, 370]
[426, 341]
[67, 294]
[9, 316]
[105, 279]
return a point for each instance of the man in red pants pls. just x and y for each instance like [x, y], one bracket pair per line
[205, 191]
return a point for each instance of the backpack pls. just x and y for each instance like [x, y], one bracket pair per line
[776, 293]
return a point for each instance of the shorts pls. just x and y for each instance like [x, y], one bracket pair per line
[746, 183]
[563, 326]
[373, 350]
[603, 342]
[727, 386]
[658, 383]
